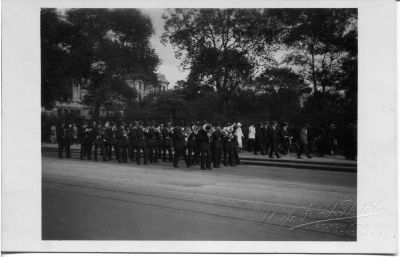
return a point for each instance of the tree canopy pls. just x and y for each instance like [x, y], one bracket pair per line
[97, 48]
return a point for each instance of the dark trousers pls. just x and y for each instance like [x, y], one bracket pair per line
[166, 148]
[217, 157]
[60, 148]
[89, 149]
[67, 146]
[124, 153]
[191, 155]
[206, 158]
[268, 145]
[228, 155]
[102, 152]
[132, 152]
[259, 147]
[152, 151]
[235, 155]
[83, 151]
[180, 152]
[274, 149]
[251, 144]
[142, 148]
[303, 148]
[108, 149]
[117, 151]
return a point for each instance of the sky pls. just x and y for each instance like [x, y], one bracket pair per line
[169, 64]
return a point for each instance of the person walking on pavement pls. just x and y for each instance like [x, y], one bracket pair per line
[53, 134]
[273, 138]
[303, 142]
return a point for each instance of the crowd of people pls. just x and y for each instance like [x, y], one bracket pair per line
[206, 145]
[200, 143]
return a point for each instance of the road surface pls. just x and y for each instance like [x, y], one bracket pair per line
[85, 200]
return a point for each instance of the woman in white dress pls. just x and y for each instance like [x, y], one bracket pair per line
[239, 135]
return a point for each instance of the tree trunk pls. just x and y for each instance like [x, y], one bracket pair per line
[313, 68]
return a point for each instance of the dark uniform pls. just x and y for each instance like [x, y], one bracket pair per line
[303, 143]
[273, 139]
[158, 149]
[228, 150]
[266, 130]
[283, 137]
[99, 143]
[151, 144]
[192, 146]
[179, 147]
[140, 145]
[216, 147]
[92, 138]
[260, 141]
[124, 142]
[119, 134]
[60, 140]
[166, 144]
[108, 135]
[205, 149]
[132, 142]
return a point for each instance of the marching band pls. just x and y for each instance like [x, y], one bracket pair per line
[207, 145]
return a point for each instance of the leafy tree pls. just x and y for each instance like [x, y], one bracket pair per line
[221, 47]
[99, 49]
[318, 42]
[61, 60]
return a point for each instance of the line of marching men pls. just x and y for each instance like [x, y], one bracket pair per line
[208, 145]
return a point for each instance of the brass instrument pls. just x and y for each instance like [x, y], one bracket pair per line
[226, 133]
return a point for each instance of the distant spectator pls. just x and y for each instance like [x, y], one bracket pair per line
[332, 141]
[53, 134]
[252, 138]
[239, 136]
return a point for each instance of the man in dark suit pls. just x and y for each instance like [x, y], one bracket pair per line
[273, 136]
[108, 135]
[260, 141]
[266, 129]
[60, 139]
[303, 142]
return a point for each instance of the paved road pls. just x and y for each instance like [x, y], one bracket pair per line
[85, 200]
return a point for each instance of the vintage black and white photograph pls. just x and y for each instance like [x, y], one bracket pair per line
[170, 126]
[210, 124]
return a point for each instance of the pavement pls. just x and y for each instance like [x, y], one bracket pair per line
[329, 163]
[86, 200]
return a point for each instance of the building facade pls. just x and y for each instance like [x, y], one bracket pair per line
[75, 104]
